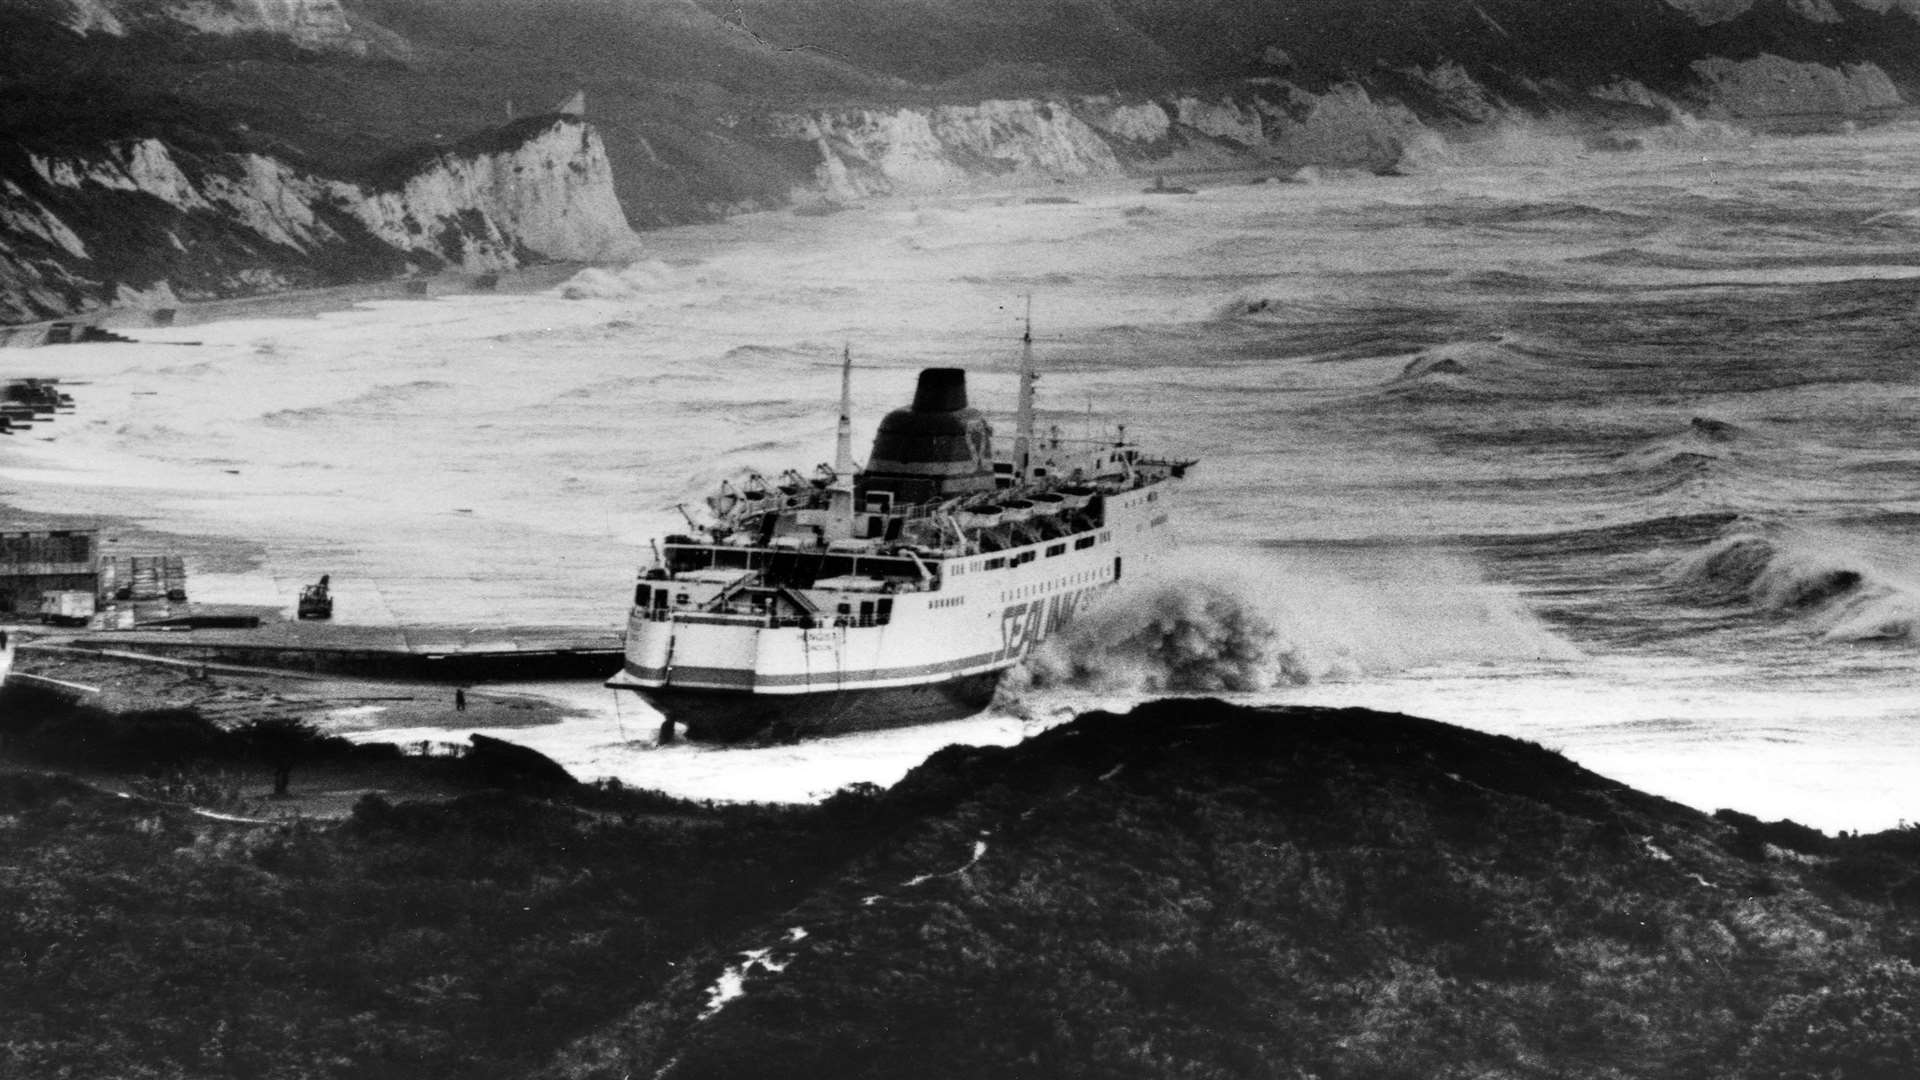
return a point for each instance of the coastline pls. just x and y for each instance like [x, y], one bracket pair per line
[308, 303]
[127, 694]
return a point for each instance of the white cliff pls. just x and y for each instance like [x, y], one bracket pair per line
[553, 196]
[1229, 120]
[1272, 121]
[864, 152]
[923, 151]
[1770, 85]
[80, 230]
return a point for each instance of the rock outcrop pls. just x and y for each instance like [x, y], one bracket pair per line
[1263, 122]
[319, 25]
[864, 152]
[145, 218]
[1771, 86]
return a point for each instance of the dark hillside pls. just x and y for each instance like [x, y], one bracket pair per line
[1192, 889]
[1158, 45]
[1195, 889]
[142, 938]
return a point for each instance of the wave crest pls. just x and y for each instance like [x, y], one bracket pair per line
[1846, 595]
[635, 279]
[1197, 638]
[1267, 620]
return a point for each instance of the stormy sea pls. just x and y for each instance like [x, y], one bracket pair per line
[1615, 452]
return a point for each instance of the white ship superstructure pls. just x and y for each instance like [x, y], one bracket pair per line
[894, 594]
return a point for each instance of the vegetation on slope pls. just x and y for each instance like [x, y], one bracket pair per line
[1191, 889]
[1199, 890]
[142, 937]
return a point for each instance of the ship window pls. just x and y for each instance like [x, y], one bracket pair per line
[866, 613]
[994, 564]
[1116, 568]
[1057, 549]
[1083, 543]
[885, 614]
[681, 599]
[642, 596]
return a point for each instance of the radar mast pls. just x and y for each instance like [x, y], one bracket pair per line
[1023, 422]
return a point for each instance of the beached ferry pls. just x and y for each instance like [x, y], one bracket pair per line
[894, 594]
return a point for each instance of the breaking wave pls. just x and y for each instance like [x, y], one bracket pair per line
[633, 280]
[1197, 637]
[1847, 595]
[1268, 620]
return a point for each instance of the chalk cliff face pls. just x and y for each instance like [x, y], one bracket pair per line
[1270, 122]
[141, 218]
[551, 194]
[863, 152]
[1773, 86]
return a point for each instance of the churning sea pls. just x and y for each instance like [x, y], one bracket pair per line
[1615, 452]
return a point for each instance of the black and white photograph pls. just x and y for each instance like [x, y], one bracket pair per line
[950, 539]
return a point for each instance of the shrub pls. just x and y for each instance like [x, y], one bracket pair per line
[1751, 835]
[1864, 1027]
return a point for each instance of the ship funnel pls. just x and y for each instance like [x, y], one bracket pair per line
[941, 389]
[938, 448]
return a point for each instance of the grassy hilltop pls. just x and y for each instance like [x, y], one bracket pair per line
[1191, 889]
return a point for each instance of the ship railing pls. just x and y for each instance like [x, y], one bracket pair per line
[762, 619]
[906, 573]
[726, 617]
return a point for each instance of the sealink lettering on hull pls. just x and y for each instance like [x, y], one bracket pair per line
[895, 594]
[1022, 626]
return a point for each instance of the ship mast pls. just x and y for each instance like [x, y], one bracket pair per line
[840, 493]
[843, 451]
[1023, 422]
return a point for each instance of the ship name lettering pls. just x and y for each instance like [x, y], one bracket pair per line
[1023, 626]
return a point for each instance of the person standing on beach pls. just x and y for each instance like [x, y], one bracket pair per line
[459, 699]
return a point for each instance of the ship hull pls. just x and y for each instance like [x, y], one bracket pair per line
[727, 716]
